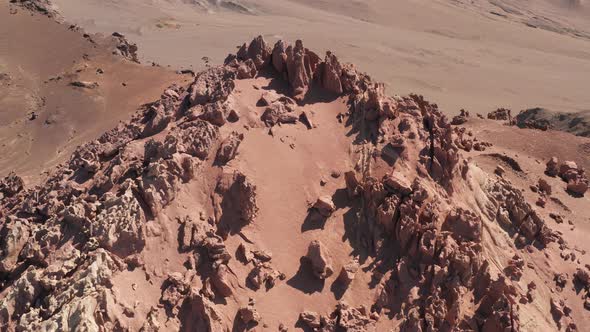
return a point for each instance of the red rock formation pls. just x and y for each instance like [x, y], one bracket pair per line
[324, 206]
[331, 74]
[461, 118]
[501, 114]
[229, 148]
[11, 185]
[211, 86]
[418, 210]
[320, 262]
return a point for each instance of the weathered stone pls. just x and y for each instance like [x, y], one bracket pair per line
[332, 73]
[324, 206]
[348, 272]
[229, 148]
[552, 167]
[320, 262]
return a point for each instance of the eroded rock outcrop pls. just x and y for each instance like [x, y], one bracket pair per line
[514, 212]
[45, 7]
[120, 225]
[124, 48]
[298, 65]
[501, 114]
[418, 215]
[235, 202]
[59, 259]
[11, 185]
[229, 148]
[345, 318]
[211, 86]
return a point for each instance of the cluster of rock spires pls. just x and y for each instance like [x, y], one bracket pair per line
[297, 65]
[62, 242]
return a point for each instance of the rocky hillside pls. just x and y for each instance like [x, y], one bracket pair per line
[544, 119]
[282, 191]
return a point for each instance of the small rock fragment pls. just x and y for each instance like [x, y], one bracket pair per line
[325, 206]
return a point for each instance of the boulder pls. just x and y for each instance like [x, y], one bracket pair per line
[11, 185]
[461, 118]
[311, 319]
[567, 166]
[397, 182]
[325, 206]
[84, 84]
[500, 114]
[582, 276]
[552, 167]
[348, 272]
[263, 274]
[320, 262]
[578, 186]
[229, 148]
[544, 187]
[279, 112]
[248, 314]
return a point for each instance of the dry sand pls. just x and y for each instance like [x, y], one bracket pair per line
[43, 117]
[456, 52]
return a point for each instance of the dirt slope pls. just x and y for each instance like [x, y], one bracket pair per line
[43, 116]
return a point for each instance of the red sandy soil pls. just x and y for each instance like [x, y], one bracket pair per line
[38, 60]
[283, 191]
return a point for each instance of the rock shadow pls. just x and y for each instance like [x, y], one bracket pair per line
[304, 280]
[338, 289]
[313, 220]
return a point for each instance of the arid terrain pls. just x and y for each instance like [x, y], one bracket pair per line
[275, 186]
[475, 55]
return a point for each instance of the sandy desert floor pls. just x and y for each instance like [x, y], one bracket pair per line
[43, 117]
[475, 55]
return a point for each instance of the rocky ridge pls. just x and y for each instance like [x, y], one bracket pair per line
[423, 213]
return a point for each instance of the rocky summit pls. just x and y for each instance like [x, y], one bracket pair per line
[285, 190]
